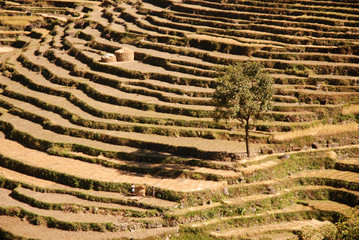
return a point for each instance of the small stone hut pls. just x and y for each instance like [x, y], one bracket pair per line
[125, 54]
[108, 58]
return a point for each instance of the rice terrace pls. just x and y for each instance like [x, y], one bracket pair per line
[108, 127]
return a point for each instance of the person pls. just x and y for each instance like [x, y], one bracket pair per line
[132, 191]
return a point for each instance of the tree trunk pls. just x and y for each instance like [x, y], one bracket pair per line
[247, 137]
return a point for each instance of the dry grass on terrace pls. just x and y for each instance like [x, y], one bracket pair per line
[321, 130]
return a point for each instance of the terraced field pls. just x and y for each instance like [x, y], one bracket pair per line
[76, 132]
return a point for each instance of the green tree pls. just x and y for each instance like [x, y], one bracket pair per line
[243, 92]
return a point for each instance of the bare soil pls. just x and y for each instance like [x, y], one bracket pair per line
[25, 229]
[285, 226]
[96, 172]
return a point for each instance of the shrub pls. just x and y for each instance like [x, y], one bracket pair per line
[348, 228]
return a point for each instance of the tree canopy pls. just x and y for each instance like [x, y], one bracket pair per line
[243, 92]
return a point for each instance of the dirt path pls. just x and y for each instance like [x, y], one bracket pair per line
[139, 66]
[96, 15]
[329, 206]
[96, 172]
[102, 106]
[106, 108]
[133, 27]
[284, 226]
[261, 157]
[127, 81]
[7, 201]
[168, 166]
[111, 91]
[171, 56]
[57, 198]
[194, 209]
[6, 49]
[223, 173]
[199, 143]
[257, 167]
[25, 229]
[349, 161]
[87, 117]
[38, 132]
[331, 174]
[294, 208]
[19, 177]
[255, 197]
[307, 62]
